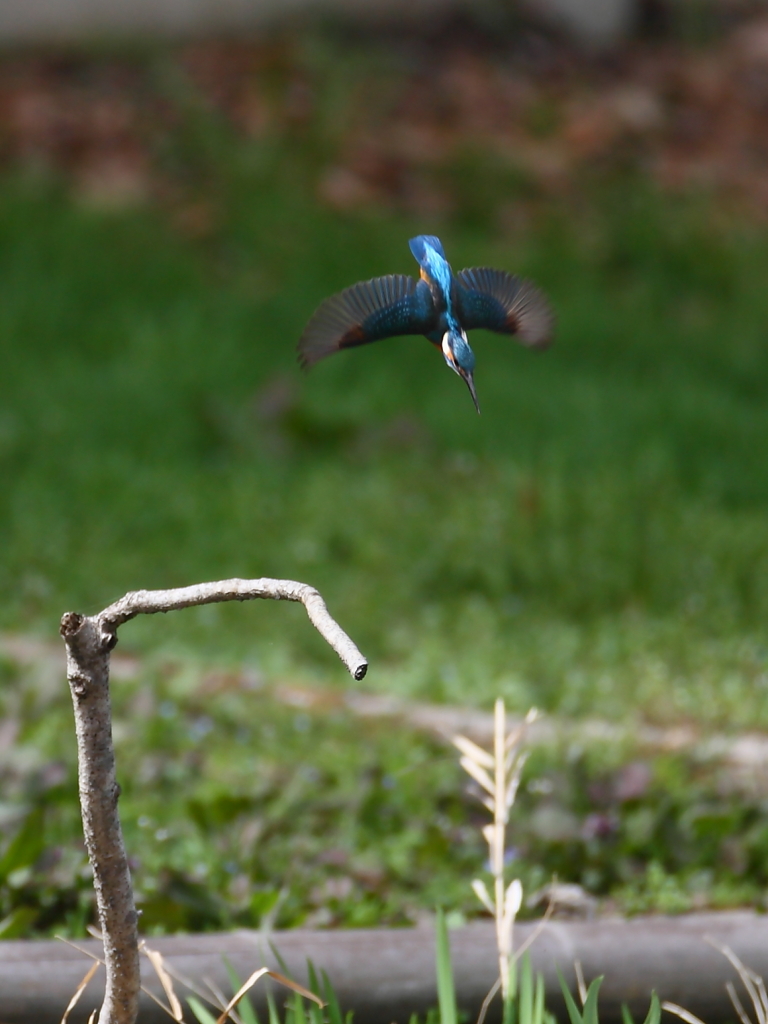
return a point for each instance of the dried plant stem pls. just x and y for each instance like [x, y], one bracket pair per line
[498, 774]
[500, 819]
[89, 641]
[681, 1012]
[751, 981]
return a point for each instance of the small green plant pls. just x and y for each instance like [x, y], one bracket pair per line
[588, 1014]
[524, 1000]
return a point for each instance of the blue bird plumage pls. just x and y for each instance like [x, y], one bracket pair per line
[441, 305]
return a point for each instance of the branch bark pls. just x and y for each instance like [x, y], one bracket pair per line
[89, 641]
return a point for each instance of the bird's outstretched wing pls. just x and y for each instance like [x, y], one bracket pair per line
[384, 307]
[499, 301]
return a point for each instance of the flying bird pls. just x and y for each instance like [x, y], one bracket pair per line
[441, 305]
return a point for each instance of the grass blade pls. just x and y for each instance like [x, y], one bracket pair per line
[299, 1017]
[570, 1004]
[590, 1004]
[538, 1001]
[526, 992]
[654, 1012]
[446, 994]
[509, 1008]
[281, 962]
[312, 983]
[245, 1008]
[274, 1016]
[315, 1013]
[202, 1013]
[334, 1010]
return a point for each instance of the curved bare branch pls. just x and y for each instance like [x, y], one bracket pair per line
[89, 641]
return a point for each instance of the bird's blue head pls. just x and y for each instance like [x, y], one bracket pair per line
[461, 359]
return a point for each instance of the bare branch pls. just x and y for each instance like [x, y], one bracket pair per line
[88, 676]
[149, 602]
[89, 641]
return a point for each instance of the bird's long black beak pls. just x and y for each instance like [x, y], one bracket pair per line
[470, 381]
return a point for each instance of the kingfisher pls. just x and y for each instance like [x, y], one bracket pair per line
[441, 305]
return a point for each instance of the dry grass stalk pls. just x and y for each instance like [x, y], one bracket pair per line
[498, 775]
[248, 985]
[219, 1000]
[580, 982]
[681, 1012]
[98, 962]
[156, 959]
[167, 975]
[79, 991]
[227, 1008]
[752, 982]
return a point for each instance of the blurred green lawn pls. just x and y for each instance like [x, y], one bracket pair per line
[594, 544]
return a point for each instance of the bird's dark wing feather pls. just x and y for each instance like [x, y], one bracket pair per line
[499, 301]
[381, 308]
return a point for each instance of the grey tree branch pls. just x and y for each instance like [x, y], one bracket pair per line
[148, 602]
[89, 641]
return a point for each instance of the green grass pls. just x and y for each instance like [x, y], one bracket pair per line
[594, 543]
[235, 806]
